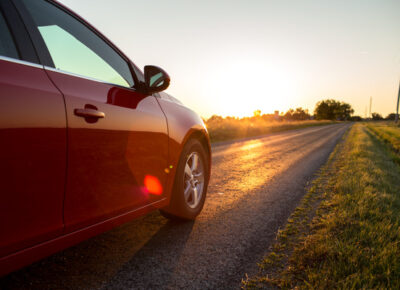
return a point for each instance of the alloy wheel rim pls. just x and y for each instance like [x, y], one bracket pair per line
[193, 180]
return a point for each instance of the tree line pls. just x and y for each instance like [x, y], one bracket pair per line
[324, 110]
[333, 110]
[328, 109]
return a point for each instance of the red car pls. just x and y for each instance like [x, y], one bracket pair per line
[87, 141]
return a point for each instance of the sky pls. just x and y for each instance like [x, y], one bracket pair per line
[231, 57]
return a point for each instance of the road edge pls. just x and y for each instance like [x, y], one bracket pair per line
[297, 225]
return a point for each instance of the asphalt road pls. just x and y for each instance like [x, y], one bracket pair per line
[255, 185]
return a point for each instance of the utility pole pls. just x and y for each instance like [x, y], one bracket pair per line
[396, 119]
[370, 106]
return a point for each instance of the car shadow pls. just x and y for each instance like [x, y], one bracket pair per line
[98, 261]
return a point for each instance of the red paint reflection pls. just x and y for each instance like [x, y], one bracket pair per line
[124, 98]
[153, 185]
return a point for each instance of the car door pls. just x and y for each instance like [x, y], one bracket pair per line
[32, 142]
[117, 136]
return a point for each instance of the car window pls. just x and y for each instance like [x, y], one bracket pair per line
[7, 45]
[75, 48]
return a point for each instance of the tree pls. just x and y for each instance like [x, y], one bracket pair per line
[257, 113]
[298, 114]
[215, 119]
[344, 111]
[332, 110]
[288, 114]
[301, 114]
[376, 117]
[391, 116]
[355, 118]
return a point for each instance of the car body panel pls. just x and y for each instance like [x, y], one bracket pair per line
[143, 134]
[33, 156]
[109, 158]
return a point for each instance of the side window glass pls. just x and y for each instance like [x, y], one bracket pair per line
[7, 45]
[75, 48]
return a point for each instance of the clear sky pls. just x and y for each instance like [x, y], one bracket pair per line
[231, 57]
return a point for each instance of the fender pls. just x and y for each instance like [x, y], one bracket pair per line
[183, 124]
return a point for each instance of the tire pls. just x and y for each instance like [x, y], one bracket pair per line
[190, 186]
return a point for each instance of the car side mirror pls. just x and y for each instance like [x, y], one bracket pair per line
[156, 79]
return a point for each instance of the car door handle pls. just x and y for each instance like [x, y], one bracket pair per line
[89, 113]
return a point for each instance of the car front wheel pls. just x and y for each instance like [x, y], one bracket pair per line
[191, 183]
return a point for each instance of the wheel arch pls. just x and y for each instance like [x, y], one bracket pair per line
[183, 125]
[202, 137]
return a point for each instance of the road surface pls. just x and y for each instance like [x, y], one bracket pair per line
[255, 185]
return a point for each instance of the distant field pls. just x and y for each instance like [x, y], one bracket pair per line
[346, 232]
[230, 128]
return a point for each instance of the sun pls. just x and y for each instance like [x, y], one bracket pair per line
[243, 86]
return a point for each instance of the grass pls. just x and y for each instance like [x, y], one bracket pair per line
[222, 129]
[346, 231]
[387, 132]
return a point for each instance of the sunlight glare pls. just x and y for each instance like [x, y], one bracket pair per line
[153, 185]
[245, 85]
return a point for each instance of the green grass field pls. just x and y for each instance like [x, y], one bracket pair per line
[346, 231]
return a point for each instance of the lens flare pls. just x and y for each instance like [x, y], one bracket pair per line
[153, 185]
